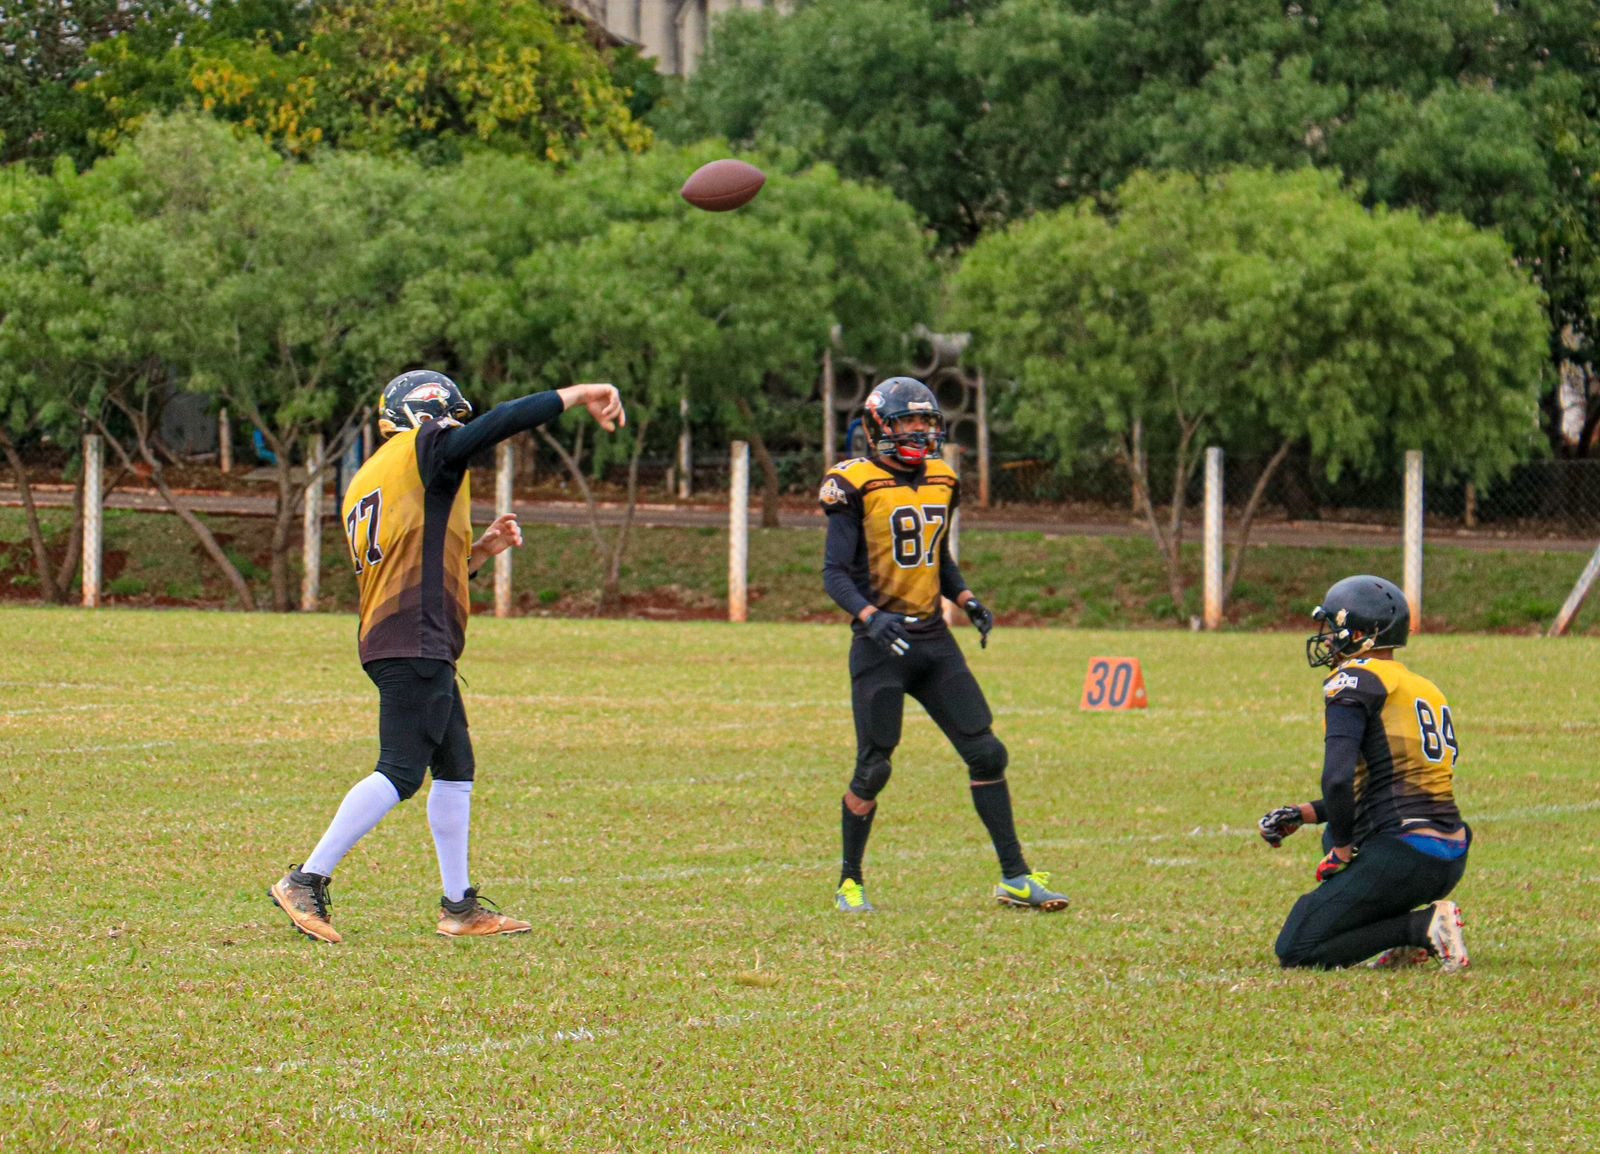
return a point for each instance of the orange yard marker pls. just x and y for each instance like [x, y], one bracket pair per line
[1113, 683]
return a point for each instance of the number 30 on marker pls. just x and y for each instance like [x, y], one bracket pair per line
[1113, 683]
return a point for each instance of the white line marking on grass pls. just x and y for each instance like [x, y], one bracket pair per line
[1535, 811]
[107, 748]
[66, 709]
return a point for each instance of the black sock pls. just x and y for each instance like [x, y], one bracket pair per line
[856, 830]
[993, 803]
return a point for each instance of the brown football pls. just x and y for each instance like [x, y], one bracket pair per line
[723, 184]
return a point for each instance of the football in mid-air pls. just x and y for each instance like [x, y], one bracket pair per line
[723, 184]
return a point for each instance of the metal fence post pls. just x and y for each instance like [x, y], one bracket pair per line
[1576, 598]
[505, 473]
[1212, 618]
[92, 513]
[983, 441]
[739, 533]
[1413, 537]
[311, 575]
[685, 451]
[829, 417]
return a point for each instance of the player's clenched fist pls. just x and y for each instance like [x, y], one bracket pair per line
[1279, 824]
[888, 631]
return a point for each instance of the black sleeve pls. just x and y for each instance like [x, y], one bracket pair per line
[1341, 748]
[844, 538]
[454, 445]
[951, 583]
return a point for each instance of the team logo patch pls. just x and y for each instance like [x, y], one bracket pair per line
[1340, 617]
[831, 493]
[1339, 681]
[429, 392]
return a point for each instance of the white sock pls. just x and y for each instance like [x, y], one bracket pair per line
[449, 815]
[362, 809]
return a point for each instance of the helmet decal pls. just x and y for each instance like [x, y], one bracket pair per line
[415, 398]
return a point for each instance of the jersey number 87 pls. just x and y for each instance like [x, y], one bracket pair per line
[910, 523]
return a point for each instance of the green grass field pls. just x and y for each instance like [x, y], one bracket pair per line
[1027, 577]
[662, 800]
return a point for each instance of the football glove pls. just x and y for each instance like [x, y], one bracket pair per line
[982, 618]
[1333, 864]
[1279, 824]
[888, 631]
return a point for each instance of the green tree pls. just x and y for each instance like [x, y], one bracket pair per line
[35, 390]
[432, 78]
[873, 87]
[1257, 309]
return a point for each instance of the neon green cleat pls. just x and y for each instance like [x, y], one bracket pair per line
[851, 898]
[1030, 892]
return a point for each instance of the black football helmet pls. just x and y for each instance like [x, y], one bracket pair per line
[894, 399]
[1358, 614]
[418, 396]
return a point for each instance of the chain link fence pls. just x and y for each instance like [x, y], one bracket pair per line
[1538, 498]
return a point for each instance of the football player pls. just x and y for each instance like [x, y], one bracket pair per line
[1395, 843]
[407, 517]
[887, 564]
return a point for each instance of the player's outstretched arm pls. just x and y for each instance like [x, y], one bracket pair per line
[603, 402]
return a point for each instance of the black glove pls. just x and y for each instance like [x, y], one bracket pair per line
[1279, 824]
[888, 631]
[982, 618]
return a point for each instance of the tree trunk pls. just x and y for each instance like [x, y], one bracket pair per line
[769, 468]
[282, 533]
[575, 468]
[611, 591]
[67, 574]
[208, 542]
[1248, 518]
[41, 554]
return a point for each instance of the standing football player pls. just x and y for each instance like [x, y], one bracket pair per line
[887, 564]
[1394, 838]
[408, 518]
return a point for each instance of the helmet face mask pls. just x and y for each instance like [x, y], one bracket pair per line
[895, 403]
[414, 398]
[1357, 615]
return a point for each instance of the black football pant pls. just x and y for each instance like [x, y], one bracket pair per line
[1367, 908]
[422, 723]
[935, 673]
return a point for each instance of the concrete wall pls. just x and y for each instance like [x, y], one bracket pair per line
[673, 32]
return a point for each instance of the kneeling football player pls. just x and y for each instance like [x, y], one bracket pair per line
[408, 518]
[887, 564]
[1395, 843]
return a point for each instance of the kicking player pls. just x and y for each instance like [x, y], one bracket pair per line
[1394, 838]
[408, 518]
[887, 564]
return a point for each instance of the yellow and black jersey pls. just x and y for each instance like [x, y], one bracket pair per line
[409, 526]
[891, 548]
[1405, 772]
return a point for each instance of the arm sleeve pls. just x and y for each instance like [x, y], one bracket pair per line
[951, 583]
[844, 538]
[1347, 725]
[453, 447]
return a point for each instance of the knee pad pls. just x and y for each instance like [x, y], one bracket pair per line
[872, 774]
[986, 757]
[406, 782]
